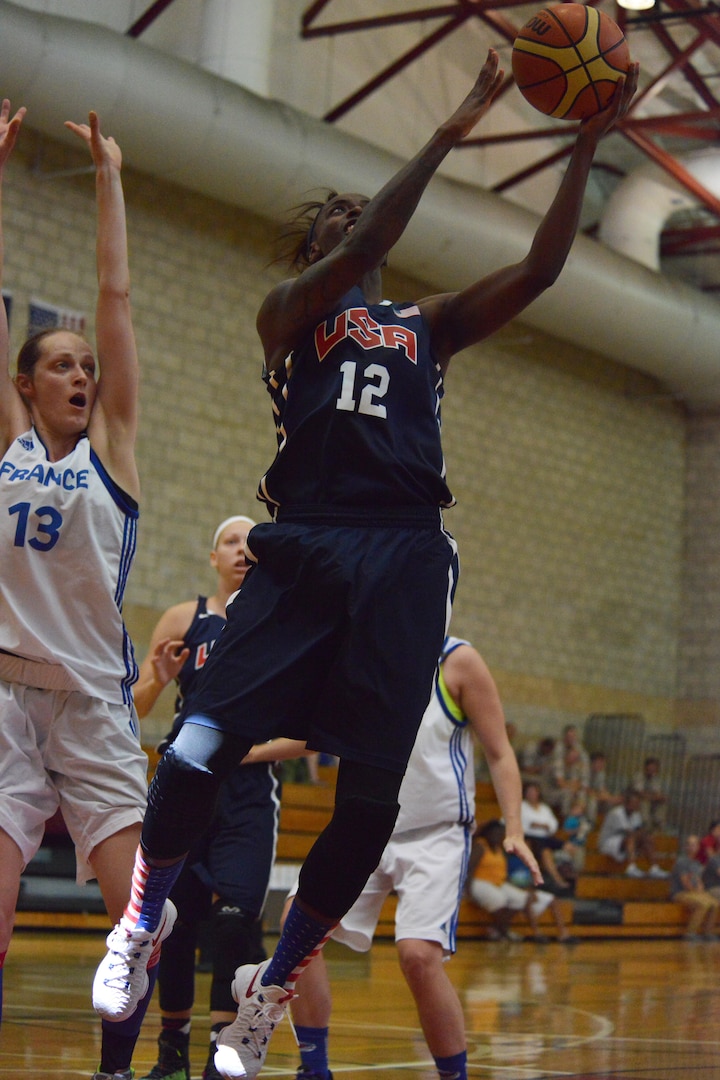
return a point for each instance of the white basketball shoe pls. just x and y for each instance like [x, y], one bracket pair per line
[121, 980]
[243, 1045]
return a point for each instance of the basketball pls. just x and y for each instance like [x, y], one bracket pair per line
[567, 59]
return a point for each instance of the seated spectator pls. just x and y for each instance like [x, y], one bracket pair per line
[536, 761]
[576, 826]
[490, 889]
[653, 800]
[539, 828]
[688, 888]
[709, 844]
[599, 797]
[514, 739]
[570, 771]
[711, 875]
[625, 837]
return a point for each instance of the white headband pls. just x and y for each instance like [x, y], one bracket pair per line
[230, 521]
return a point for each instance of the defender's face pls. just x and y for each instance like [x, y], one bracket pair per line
[62, 388]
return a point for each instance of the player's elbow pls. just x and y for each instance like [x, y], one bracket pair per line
[541, 275]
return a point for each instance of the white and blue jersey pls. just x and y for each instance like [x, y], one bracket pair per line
[426, 860]
[439, 785]
[357, 413]
[68, 536]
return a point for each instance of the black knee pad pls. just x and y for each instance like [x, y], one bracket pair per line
[236, 939]
[181, 800]
[345, 854]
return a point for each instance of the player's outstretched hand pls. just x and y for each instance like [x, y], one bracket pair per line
[103, 150]
[599, 124]
[478, 101]
[168, 658]
[515, 845]
[9, 129]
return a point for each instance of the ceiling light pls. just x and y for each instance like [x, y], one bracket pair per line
[636, 5]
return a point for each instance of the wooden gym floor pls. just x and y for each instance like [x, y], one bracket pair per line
[626, 1009]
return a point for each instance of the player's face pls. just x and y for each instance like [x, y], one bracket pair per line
[228, 558]
[336, 220]
[62, 388]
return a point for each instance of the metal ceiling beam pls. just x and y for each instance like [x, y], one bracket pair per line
[396, 66]
[140, 25]
[676, 241]
[681, 62]
[308, 30]
[683, 125]
[674, 168]
[531, 170]
[702, 125]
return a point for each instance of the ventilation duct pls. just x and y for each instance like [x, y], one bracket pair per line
[186, 125]
[642, 203]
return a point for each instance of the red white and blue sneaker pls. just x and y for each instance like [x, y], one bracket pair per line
[121, 980]
[243, 1045]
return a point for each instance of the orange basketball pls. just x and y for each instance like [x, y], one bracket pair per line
[567, 59]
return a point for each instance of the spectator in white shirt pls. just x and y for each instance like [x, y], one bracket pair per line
[625, 838]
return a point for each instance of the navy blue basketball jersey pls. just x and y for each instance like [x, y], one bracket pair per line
[357, 411]
[202, 634]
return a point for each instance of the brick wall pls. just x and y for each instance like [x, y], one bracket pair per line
[698, 710]
[569, 470]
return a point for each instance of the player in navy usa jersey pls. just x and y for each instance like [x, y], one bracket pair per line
[336, 632]
[69, 491]
[225, 879]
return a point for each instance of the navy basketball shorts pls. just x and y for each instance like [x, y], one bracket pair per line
[335, 634]
[235, 857]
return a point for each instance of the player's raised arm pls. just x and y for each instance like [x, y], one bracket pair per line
[113, 426]
[460, 319]
[350, 240]
[13, 414]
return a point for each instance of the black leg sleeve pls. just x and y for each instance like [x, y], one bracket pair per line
[349, 849]
[182, 793]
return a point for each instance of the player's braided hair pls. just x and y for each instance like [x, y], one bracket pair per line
[293, 243]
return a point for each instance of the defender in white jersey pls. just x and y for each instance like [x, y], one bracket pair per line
[68, 519]
[426, 861]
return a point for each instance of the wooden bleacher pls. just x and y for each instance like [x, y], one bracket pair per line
[641, 907]
[637, 907]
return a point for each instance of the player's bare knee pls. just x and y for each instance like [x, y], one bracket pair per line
[418, 957]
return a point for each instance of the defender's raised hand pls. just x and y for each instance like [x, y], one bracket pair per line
[9, 129]
[104, 150]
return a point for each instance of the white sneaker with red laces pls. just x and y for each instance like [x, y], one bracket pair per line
[243, 1045]
[121, 980]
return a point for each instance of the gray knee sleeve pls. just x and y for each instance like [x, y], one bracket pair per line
[181, 800]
